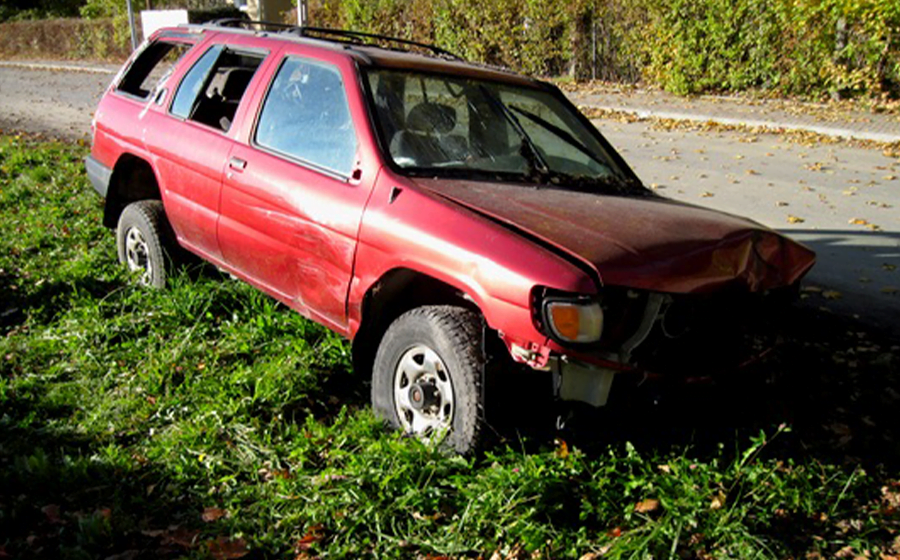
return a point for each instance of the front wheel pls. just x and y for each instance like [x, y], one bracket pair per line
[427, 376]
[143, 237]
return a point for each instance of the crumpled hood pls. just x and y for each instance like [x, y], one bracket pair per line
[646, 243]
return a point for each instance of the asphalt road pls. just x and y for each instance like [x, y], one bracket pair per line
[842, 201]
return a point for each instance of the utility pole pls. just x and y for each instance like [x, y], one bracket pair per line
[302, 14]
[131, 25]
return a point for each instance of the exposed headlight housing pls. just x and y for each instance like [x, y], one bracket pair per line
[575, 319]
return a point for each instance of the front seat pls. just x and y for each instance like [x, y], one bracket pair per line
[426, 140]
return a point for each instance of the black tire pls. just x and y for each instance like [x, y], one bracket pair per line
[145, 241]
[454, 335]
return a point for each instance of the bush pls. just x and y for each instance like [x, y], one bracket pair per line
[812, 48]
[807, 47]
[62, 39]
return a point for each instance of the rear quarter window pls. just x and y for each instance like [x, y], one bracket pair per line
[150, 67]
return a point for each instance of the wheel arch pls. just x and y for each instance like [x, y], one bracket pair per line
[396, 292]
[132, 179]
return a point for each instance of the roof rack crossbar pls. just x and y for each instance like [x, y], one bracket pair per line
[339, 35]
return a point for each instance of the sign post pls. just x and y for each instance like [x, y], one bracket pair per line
[131, 25]
[302, 15]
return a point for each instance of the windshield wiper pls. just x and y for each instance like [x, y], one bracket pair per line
[528, 150]
[562, 134]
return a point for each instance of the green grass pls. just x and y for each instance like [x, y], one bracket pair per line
[125, 414]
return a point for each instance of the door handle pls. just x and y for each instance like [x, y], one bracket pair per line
[237, 164]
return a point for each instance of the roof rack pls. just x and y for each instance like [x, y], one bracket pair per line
[336, 35]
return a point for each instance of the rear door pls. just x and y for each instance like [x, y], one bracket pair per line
[190, 141]
[294, 193]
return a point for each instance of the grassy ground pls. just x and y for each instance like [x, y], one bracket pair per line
[209, 421]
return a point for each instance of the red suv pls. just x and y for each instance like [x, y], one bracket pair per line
[443, 215]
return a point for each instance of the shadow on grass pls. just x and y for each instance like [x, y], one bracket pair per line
[834, 382]
[68, 495]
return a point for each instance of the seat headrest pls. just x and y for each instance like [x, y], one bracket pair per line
[431, 118]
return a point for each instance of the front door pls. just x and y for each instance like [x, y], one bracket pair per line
[293, 198]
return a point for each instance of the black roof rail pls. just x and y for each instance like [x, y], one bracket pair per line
[249, 24]
[358, 37]
[328, 34]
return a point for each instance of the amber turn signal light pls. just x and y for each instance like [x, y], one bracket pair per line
[574, 321]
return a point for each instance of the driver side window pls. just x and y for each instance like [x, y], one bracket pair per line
[306, 116]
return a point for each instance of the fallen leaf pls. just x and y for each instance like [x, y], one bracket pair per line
[781, 203]
[314, 534]
[890, 290]
[153, 533]
[224, 548]
[180, 536]
[423, 517]
[211, 514]
[831, 294]
[718, 501]
[795, 219]
[51, 512]
[614, 532]
[846, 552]
[127, 555]
[706, 194]
[562, 448]
[646, 506]
[889, 267]
[858, 222]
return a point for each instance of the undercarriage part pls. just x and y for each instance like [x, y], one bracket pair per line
[574, 381]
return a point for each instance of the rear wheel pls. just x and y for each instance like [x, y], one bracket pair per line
[427, 376]
[143, 240]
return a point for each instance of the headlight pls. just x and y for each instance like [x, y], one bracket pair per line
[574, 320]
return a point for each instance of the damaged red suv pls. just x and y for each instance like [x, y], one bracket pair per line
[442, 215]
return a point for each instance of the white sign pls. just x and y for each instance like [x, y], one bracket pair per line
[151, 20]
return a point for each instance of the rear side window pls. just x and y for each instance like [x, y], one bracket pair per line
[150, 67]
[306, 116]
[213, 88]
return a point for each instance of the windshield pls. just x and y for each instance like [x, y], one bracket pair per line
[450, 126]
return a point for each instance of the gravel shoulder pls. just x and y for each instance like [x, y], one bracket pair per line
[57, 102]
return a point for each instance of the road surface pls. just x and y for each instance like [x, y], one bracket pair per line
[842, 201]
